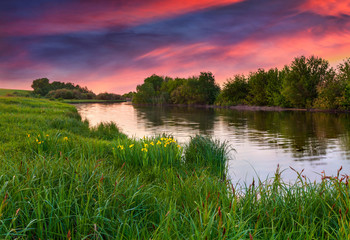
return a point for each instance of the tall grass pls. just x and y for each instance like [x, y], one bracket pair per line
[203, 151]
[79, 183]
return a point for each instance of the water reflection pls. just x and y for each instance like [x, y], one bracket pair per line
[314, 141]
[177, 116]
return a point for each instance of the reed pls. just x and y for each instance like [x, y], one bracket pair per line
[203, 151]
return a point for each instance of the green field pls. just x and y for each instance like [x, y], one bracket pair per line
[14, 92]
[60, 179]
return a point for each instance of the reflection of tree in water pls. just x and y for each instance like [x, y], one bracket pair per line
[305, 134]
[199, 118]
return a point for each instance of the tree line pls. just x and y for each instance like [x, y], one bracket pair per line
[60, 90]
[304, 83]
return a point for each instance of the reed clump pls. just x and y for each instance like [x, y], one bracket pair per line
[59, 179]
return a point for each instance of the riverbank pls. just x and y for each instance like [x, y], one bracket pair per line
[62, 179]
[91, 101]
[249, 108]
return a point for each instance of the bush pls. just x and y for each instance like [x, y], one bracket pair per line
[108, 96]
[66, 94]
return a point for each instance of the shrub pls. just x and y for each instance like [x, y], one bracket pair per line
[108, 96]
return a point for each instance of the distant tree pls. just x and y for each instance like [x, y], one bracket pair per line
[41, 86]
[234, 92]
[343, 77]
[66, 94]
[257, 88]
[128, 95]
[169, 86]
[330, 92]
[156, 82]
[145, 93]
[108, 96]
[207, 88]
[302, 78]
[185, 93]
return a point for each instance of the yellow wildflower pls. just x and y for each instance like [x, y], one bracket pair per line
[121, 147]
[152, 143]
[131, 145]
[144, 150]
[158, 143]
[65, 139]
[178, 146]
[47, 135]
[145, 145]
[28, 135]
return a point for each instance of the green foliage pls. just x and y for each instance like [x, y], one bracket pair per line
[330, 92]
[145, 93]
[156, 82]
[343, 77]
[108, 96]
[70, 94]
[302, 78]
[41, 86]
[61, 90]
[234, 91]
[208, 90]
[257, 85]
[194, 90]
[128, 95]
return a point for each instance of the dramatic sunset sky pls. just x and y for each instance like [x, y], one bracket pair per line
[112, 45]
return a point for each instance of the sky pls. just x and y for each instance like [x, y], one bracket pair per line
[113, 45]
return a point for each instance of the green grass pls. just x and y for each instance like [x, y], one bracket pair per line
[59, 179]
[15, 92]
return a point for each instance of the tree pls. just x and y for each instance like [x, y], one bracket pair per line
[330, 92]
[257, 85]
[156, 82]
[144, 93]
[234, 92]
[302, 78]
[207, 88]
[343, 76]
[41, 86]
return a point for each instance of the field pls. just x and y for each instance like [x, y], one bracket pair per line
[14, 92]
[60, 179]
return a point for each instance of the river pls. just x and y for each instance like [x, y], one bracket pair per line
[261, 140]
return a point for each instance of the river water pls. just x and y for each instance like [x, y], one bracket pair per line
[314, 142]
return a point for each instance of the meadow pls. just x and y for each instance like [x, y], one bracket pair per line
[15, 92]
[61, 179]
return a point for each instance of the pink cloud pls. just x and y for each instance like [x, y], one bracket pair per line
[327, 7]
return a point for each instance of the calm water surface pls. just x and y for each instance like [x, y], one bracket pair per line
[314, 142]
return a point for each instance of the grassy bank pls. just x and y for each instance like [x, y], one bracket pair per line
[60, 179]
[14, 92]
